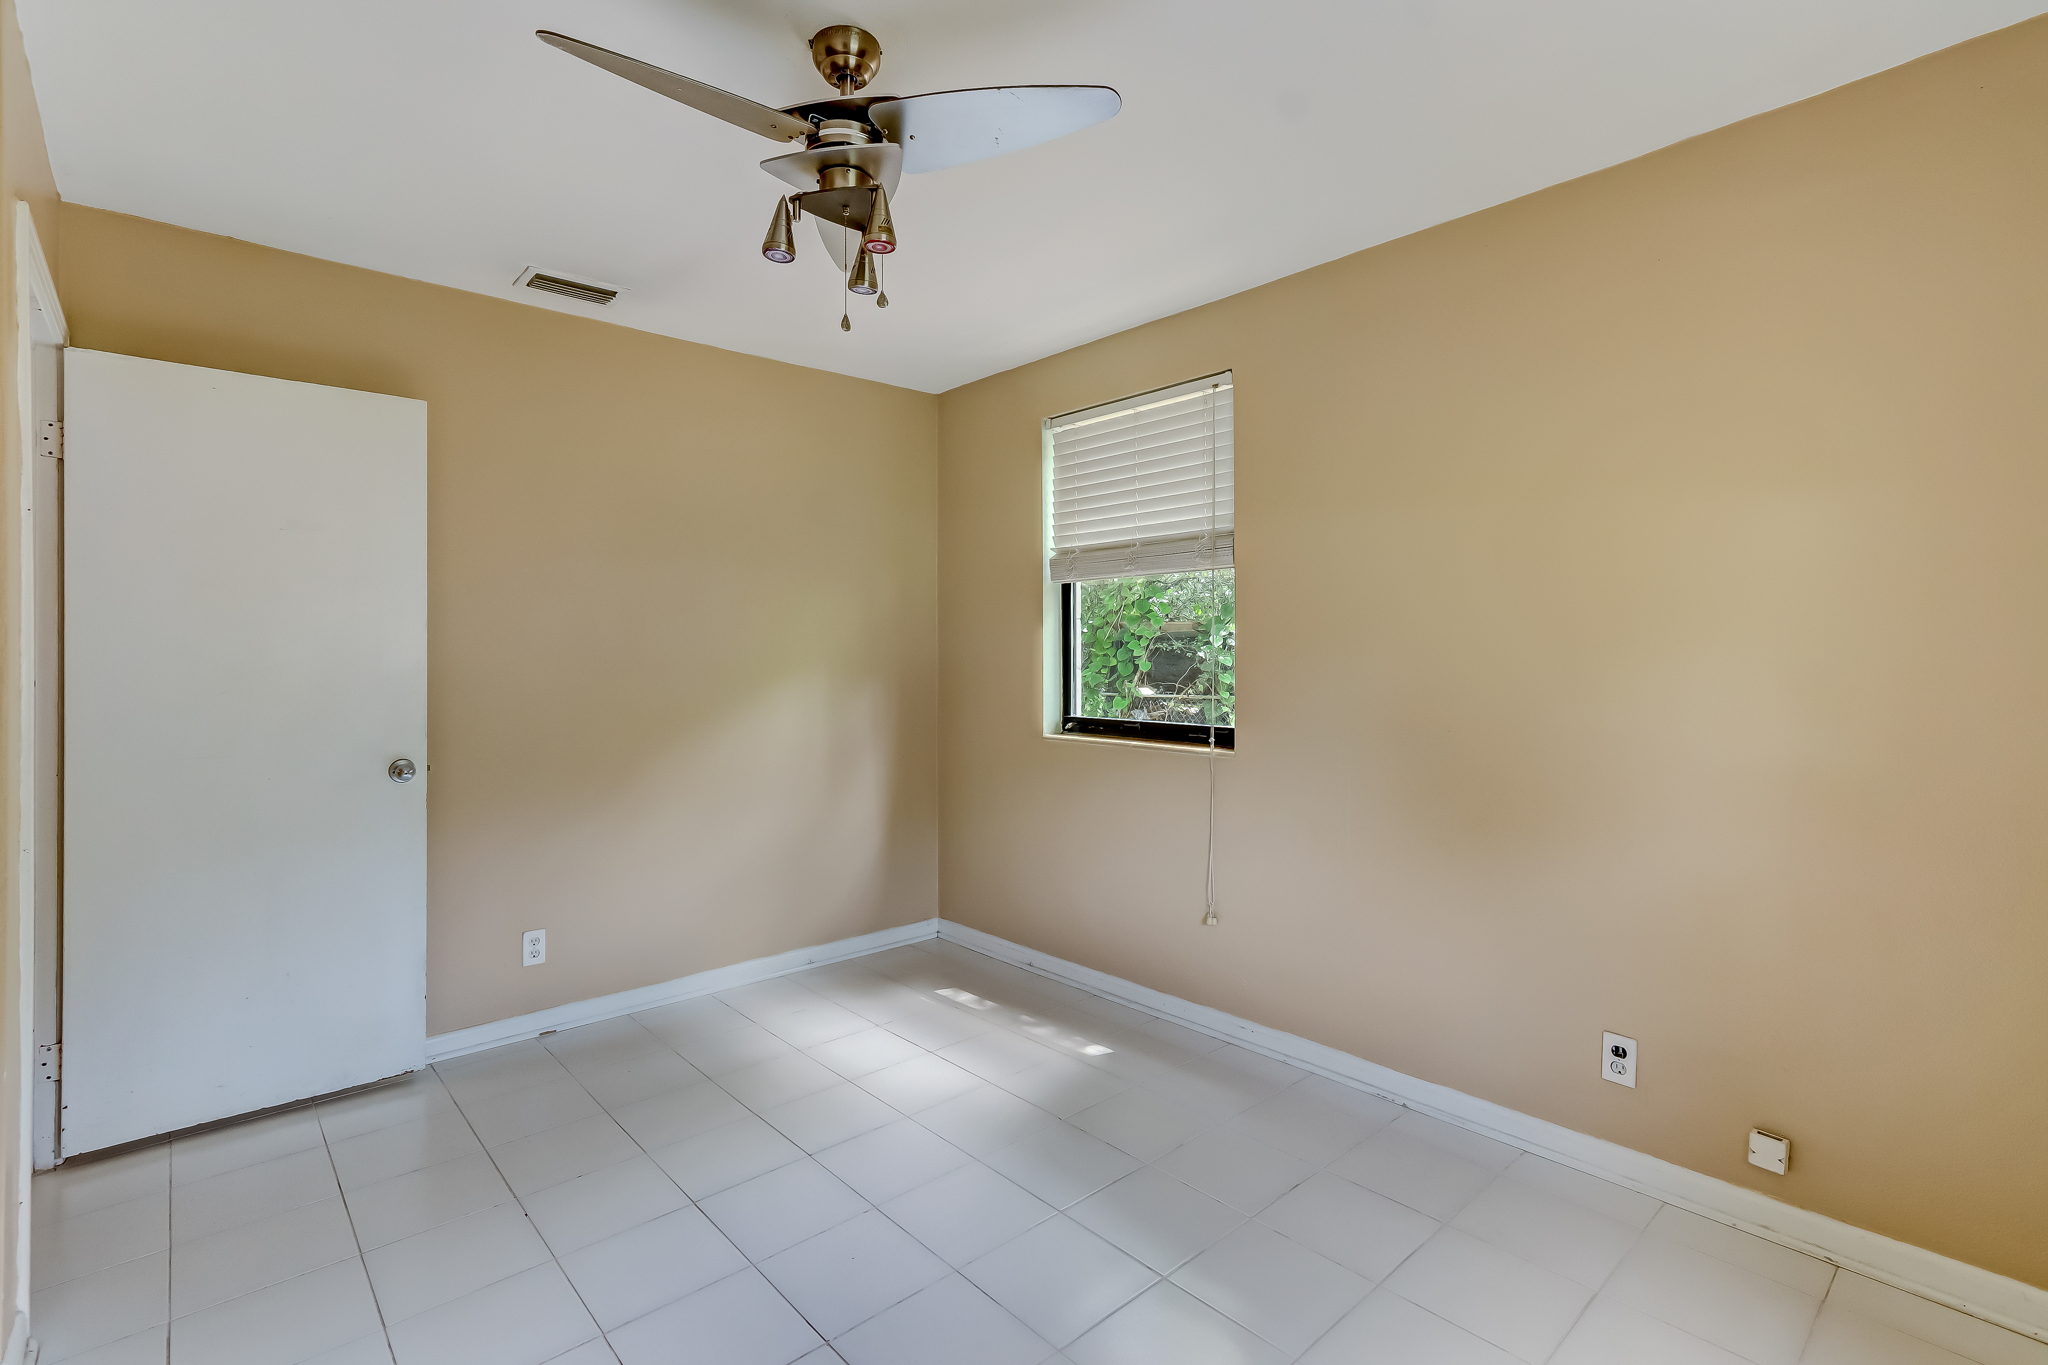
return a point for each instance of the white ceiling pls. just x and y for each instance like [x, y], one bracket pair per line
[438, 139]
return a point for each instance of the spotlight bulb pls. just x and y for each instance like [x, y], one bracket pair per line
[779, 245]
[865, 279]
[880, 237]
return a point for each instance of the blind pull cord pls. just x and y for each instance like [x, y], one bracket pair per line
[1209, 916]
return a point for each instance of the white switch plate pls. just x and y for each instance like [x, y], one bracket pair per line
[533, 948]
[1618, 1059]
[1768, 1150]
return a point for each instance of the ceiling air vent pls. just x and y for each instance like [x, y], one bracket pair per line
[589, 291]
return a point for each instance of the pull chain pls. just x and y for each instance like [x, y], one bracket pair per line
[881, 274]
[846, 299]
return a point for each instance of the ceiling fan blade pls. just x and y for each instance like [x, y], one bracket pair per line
[737, 110]
[952, 127]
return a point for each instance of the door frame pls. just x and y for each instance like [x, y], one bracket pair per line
[40, 337]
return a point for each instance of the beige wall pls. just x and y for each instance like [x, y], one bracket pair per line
[681, 640]
[24, 174]
[1642, 589]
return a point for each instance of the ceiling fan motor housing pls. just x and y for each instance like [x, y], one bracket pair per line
[843, 132]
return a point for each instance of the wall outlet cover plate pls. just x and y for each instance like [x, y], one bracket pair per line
[1618, 1059]
[1769, 1151]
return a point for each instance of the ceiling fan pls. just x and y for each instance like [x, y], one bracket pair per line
[856, 146]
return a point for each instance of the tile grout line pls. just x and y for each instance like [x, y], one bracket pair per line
[111, 1265]
[171, 1239]
[362, 1256]
[1587, 1306]
[1806, 1341]
[604, 1333]
[999, 1030]
[812, 1156]
[1247, 1219]
[171, 1316]
[524, 1212]
[872, 1207]
[435, 1166]
[170, 1245]
[1380, 1283]
[508, 1189]
[339, 1195]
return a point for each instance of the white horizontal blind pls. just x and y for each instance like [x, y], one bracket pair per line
[1143, 485]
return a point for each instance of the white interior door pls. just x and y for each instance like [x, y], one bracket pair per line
[244, 909]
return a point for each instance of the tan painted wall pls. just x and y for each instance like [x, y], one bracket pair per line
[681, 640]
[24, 174]
[1643, 589]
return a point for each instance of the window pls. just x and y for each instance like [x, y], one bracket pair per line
[1143, 551]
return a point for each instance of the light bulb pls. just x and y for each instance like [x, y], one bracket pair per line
[880, 237]
[779, 245]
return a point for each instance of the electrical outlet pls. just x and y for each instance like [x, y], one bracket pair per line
[1769, 1151]
[1618, 1059]
[533, 948]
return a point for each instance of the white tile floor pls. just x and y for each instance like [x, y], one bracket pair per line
[923, 1157]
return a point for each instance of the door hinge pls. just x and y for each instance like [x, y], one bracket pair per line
[50, 441]
[49, 1061]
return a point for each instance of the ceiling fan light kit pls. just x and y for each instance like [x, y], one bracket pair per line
[779, 245]
[865, 279]
[856, 147]
[880, 238]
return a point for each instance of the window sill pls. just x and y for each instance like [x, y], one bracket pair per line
[1132, 742]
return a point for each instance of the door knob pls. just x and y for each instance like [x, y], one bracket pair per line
[401, 770]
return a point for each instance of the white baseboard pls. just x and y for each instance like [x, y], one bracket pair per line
[1995, 1298]
[442, 1046]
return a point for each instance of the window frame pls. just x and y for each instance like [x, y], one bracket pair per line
[1172, 732]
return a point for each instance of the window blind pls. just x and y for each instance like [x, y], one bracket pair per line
[1143, 485]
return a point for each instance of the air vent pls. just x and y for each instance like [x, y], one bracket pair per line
[589, 291]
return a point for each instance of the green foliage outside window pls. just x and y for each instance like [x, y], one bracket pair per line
[1162, 648]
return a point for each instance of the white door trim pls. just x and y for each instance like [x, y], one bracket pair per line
[38, 322]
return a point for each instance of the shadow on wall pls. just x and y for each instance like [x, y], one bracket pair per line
[762, 806]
